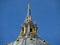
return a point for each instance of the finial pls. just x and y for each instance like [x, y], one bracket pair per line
[29, 11]
[28, 5]
[28, 18]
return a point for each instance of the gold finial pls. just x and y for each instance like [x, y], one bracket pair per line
[28, 5]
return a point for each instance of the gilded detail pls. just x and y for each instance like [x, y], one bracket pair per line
[28, 34]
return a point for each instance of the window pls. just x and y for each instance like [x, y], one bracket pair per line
[17, 40]
[30, 29]
[31, 39]
[27, 20]
[27, 17]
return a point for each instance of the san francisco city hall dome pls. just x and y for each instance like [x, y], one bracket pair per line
[28, 34]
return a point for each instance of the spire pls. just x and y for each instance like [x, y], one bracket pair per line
[29, 10]
[28, 5]
[28, 18]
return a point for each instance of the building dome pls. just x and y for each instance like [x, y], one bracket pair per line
[29, 41]
[28, 34]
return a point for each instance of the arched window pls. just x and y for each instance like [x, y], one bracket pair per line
[30, 29]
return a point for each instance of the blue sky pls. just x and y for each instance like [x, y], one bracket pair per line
[46, 13]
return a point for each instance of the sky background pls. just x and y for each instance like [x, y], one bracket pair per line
[46, 13]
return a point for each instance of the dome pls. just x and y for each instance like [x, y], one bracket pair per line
[29, 41]
[28, 34]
